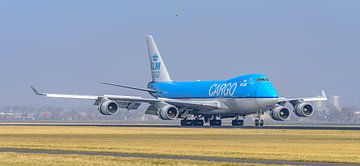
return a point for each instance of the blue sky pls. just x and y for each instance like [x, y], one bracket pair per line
[69, 46]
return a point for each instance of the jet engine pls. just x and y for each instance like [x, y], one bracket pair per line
[168, 112]
[280, 113]
[303, 109]
[108, 107]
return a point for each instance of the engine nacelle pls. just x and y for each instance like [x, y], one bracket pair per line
[108, 107]
[303, 109]
[168, 112]
[280, 113]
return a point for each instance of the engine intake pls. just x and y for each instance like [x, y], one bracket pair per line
[168, 112]
[280, 113]
[303, 109]
[108, 107]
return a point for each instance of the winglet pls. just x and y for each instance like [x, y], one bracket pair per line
[36, 91]
[323, 94]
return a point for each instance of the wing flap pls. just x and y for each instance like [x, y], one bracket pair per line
[129, 105]
[200, 105]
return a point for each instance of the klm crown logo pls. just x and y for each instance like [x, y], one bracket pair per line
[155, 63]
[155, 57]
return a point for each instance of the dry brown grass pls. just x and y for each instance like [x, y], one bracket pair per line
[303, 145]
[16, 159]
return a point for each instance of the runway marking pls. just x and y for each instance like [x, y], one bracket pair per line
[159, 156]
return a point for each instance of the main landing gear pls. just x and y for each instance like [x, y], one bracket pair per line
[258, 120]
[215, 121]
[238, 121]
[198, 121]
[192, 121]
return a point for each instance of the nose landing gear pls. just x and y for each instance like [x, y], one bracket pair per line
[258, 120]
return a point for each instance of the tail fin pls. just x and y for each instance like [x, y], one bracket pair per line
[159, 72]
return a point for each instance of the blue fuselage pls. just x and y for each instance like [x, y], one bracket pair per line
[245, 86]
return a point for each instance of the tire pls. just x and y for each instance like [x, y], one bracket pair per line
[256, 122]
[218, 122]
[261, 123]
[185, 122]
[188, 122]
[241, 123]
[201, 123]
[215, 122]
[198, 123]
[237, 122]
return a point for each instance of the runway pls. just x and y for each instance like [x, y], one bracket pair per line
[159, 156]
[279, 127]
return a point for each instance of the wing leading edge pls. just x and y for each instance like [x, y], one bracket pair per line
[305, 99]
[202, 105]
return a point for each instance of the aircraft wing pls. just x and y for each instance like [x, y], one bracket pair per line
[304, 99]
[135, 101]
[200, 105]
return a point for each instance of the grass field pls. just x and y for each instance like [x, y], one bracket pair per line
[301, 145]
[14, 159]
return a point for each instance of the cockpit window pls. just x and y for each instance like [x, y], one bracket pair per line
[262, 80]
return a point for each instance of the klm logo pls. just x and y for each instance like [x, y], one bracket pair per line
[155, 57]
[155, 65]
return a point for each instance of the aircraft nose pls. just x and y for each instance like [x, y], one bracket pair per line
[266, 90]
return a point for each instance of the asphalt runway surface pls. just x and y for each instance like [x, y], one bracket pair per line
[156, 156]
[281, 127]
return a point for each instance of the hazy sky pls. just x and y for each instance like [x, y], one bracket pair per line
[69, 46]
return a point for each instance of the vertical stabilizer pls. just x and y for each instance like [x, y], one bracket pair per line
[159, 72]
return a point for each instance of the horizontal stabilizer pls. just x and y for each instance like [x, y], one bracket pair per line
[36, 91]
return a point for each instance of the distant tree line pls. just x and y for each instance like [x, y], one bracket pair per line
[31, 113]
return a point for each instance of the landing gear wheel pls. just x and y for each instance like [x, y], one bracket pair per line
[197, 123]
[261, 123]
[257, 123]
[186, 122]
[215, 122]
[182, 122]
[237, 122]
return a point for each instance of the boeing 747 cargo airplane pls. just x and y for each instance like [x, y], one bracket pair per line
[199, 102]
